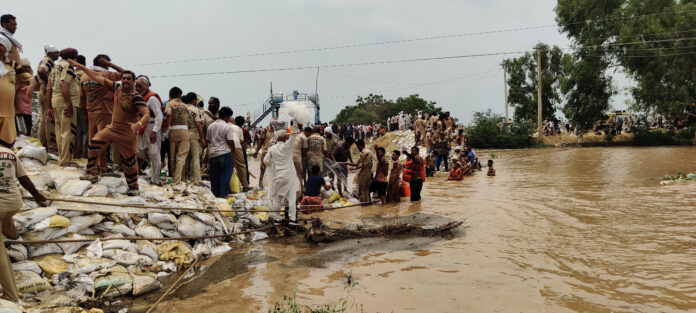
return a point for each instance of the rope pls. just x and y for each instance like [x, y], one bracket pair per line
[33, 242]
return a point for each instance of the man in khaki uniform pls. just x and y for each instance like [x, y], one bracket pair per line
[196, 138]
[177, 124]
[316, 149]
[298, 151]
[9, 27]
[11, 73]
[64, 92]
[47, 135]
[99, 102]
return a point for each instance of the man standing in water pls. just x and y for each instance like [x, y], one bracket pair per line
[414, 164]
[380, 182]
[122, 131]
[365, 173]
[394, 187]
[284, 181]
[343, 157]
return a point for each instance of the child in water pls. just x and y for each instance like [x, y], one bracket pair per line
[491, 170]
[456, 173]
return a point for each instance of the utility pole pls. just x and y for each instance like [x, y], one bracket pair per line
[506, 92]
[539, 90]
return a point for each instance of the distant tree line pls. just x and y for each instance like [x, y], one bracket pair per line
[651, 41]
[377, 109]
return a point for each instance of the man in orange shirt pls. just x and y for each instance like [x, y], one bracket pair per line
[124, 127]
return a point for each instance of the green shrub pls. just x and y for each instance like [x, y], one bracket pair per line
[487, 132]
[644, 136]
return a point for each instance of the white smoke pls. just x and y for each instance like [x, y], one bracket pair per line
[299, 111]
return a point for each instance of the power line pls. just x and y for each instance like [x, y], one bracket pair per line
[412, 60]
[342, 65]
[393, 82]
[404, 40]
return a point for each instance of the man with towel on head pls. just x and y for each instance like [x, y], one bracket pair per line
[283, 179]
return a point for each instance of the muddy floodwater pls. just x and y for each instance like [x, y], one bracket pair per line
[558, 230]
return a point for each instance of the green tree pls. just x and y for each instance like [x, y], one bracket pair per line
[650, 40]
[522, 83]
[489, 131]
[374, 108]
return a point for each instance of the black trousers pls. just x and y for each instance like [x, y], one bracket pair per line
[416, 187]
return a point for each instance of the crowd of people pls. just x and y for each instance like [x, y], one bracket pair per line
[110, 116]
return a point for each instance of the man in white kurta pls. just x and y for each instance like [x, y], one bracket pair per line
[284, 183]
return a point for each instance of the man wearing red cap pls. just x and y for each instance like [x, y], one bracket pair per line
[64, 92]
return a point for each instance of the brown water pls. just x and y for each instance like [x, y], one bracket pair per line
[584, 229]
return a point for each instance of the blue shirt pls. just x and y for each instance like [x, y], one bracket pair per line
[313, 185]
[471, 157]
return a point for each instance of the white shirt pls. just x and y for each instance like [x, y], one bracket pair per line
[156, 107]
[238, 136]
[281, 169]
[219, 132]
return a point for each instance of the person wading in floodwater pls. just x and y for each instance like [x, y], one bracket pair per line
[415, 167]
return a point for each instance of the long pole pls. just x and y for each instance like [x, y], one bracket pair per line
[539, 90]
[506, 92]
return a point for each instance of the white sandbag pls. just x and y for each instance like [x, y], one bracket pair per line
[60, 176]
[257, 235]
[117, 280]
[148, 248]
[167, 266]
[37, 153]
[112, 182]
[27, 218]
[117, 244]
[17, 252]
[32, 164]
[41, 182]
[205, 218]
[72, 247]
[144, 282]
[85, 221]
[166, 225]
[56, 232]
[86, 231]
[145, 230]
[74, 187]
[201, 250]
[95, 250]
[53, 221]
[91, 265]
[122, 189]
[114, 228]
[170, 233]
[157, 218]
[44, 249]
[30, 282]
[253, 220]
[70, 214]
[127, 258]
[9, 307]
[188, 226]
[97, 191]
[30, 266]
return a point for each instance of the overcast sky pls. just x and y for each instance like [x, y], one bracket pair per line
[138, 32]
